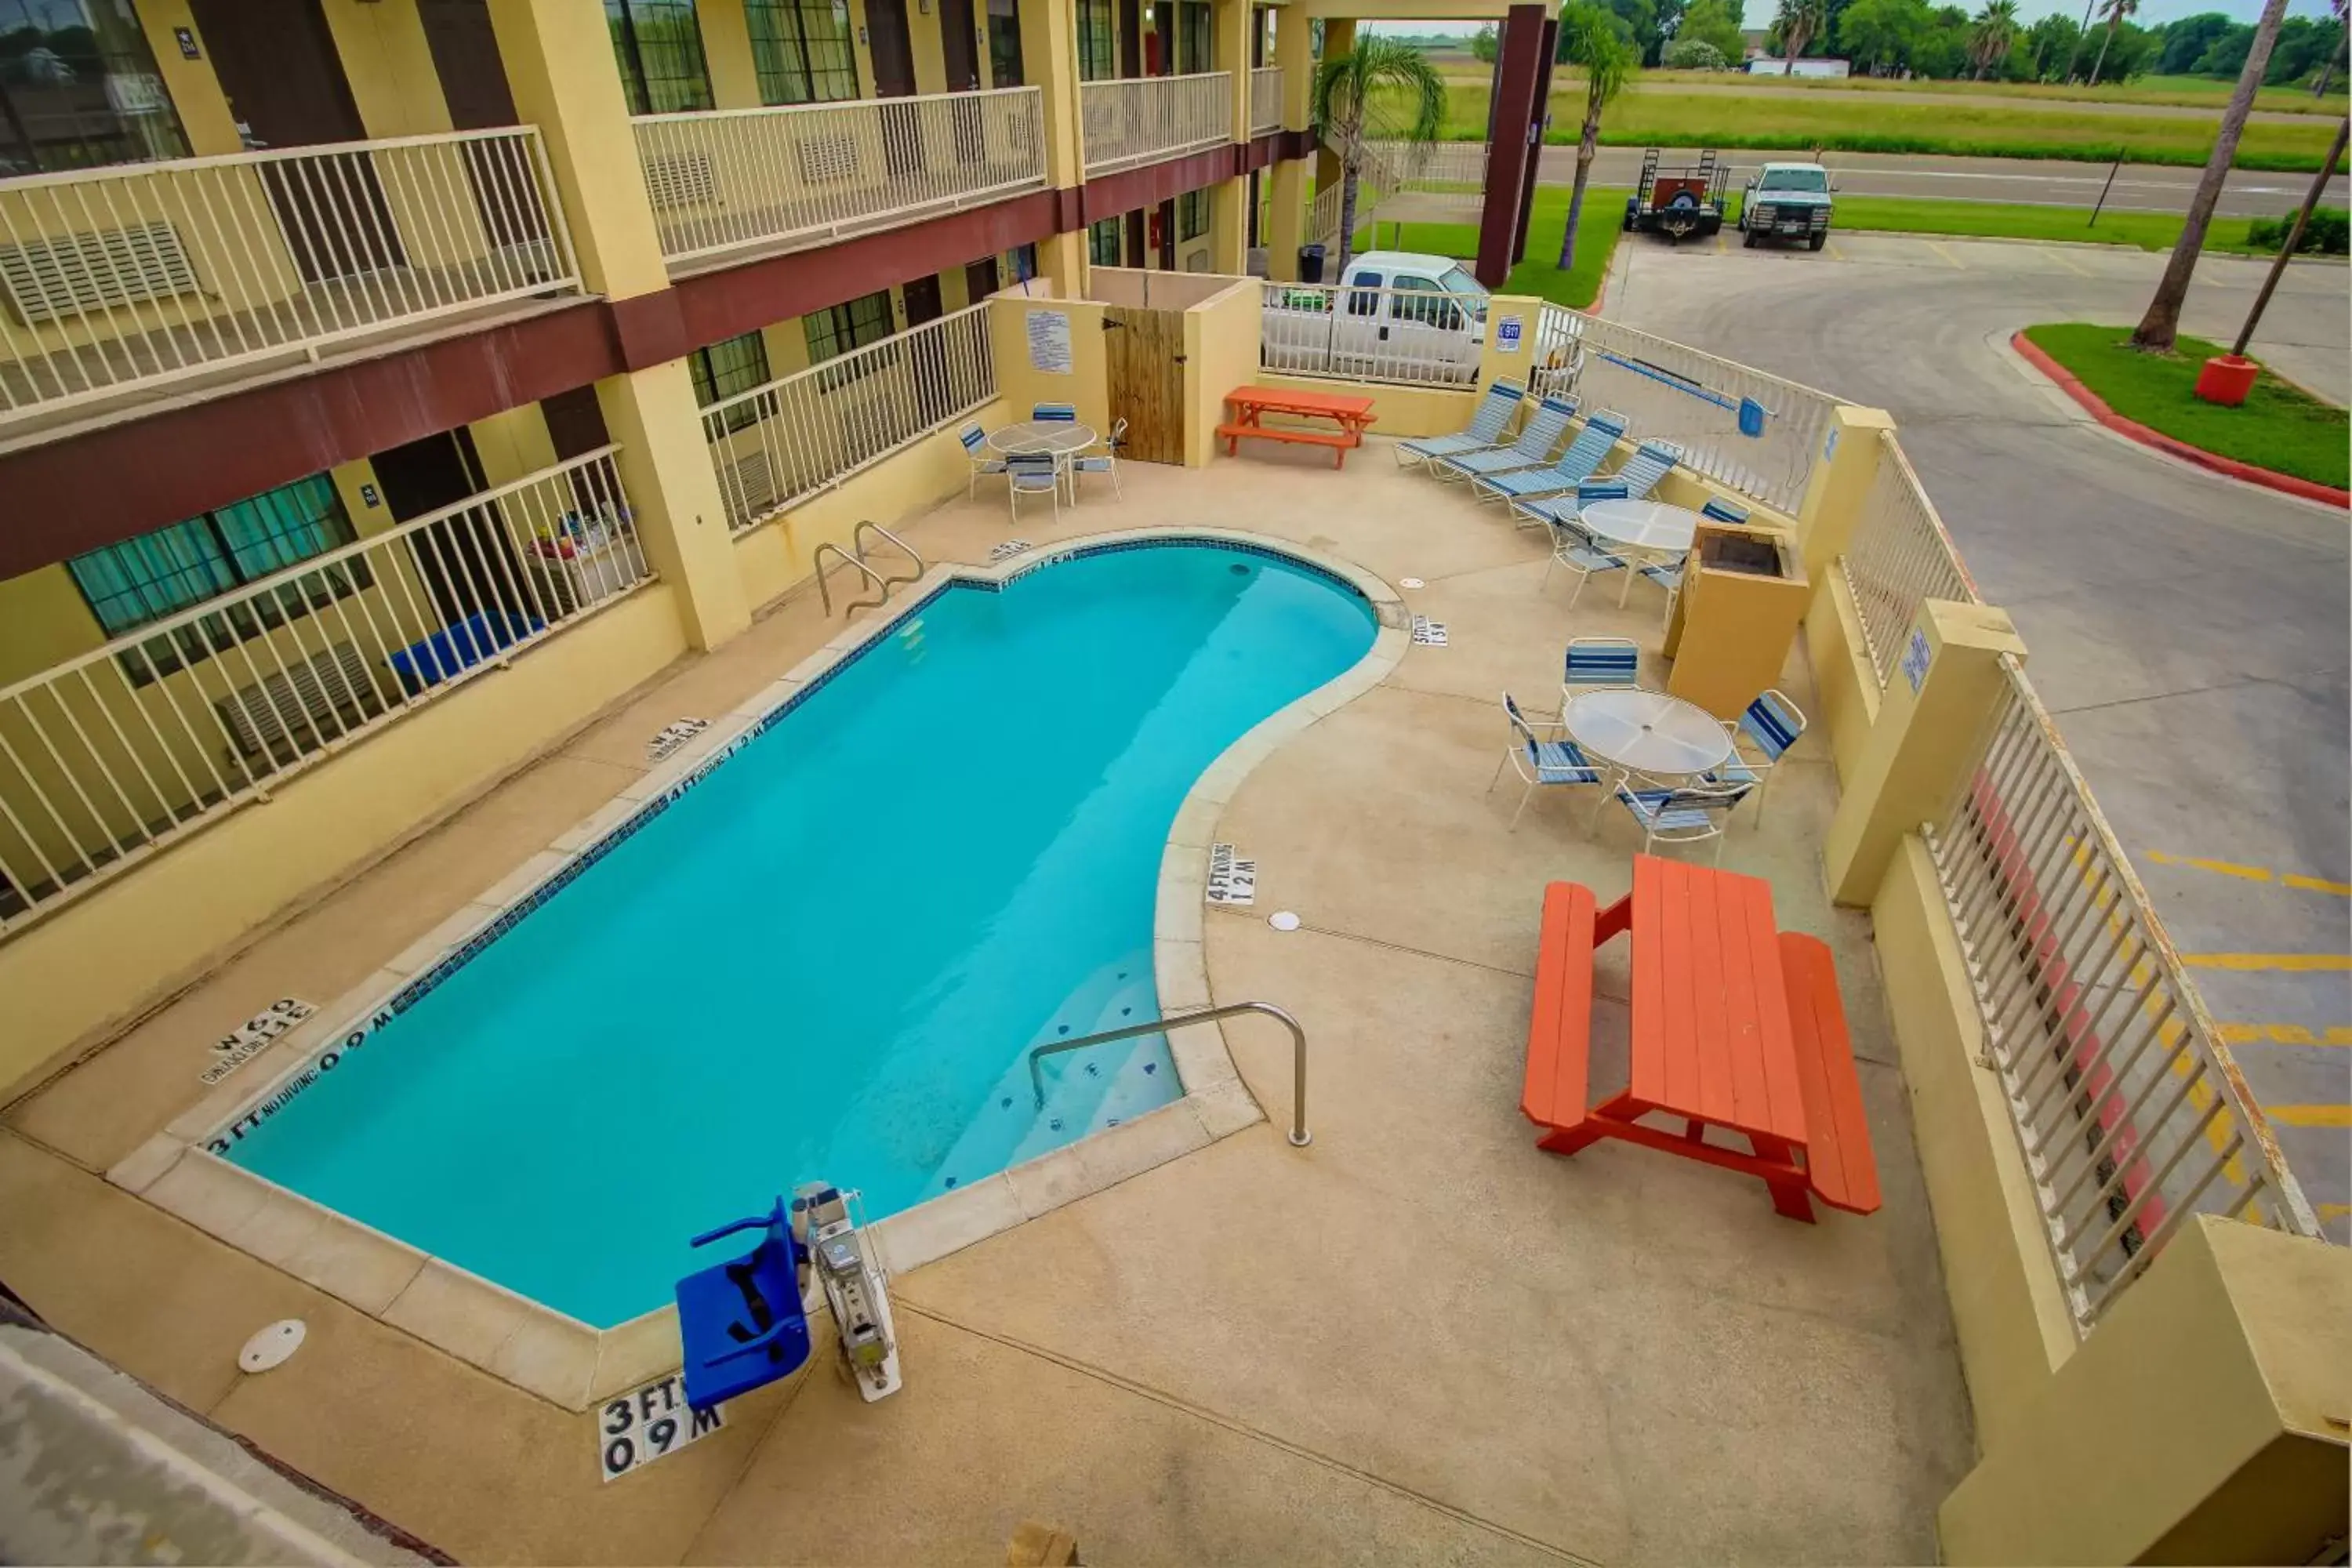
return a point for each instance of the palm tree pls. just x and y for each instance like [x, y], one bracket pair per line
[1346, 88]
[1801, 21]
[1588, 37]
[1994, 33]
[2343, 46]
[2117, 11]
[2162, 323]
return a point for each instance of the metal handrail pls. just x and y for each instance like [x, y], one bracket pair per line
[858, 541]
[882, 589]
[1300, 1136]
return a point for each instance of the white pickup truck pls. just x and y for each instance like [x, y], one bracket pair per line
[1397, 315]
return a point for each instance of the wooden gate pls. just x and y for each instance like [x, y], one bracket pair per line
[1145, 351]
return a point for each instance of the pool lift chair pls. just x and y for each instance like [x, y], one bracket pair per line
[854, 1284]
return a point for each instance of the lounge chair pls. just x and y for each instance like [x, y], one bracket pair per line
[1583, 460]
[741, 1322]
[1651, 462]
[1545, 426]
[1485, 431]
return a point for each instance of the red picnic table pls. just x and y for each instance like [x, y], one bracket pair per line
[1247, 406]
[1736, 1025]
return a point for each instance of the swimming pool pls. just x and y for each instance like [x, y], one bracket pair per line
[830, 955]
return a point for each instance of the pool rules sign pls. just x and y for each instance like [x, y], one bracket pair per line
[635, 1429]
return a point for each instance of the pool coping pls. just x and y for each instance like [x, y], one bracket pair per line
[571, 1364]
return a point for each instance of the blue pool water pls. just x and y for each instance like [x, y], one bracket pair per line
[830, 957]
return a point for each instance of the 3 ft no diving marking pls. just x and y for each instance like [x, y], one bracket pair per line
[646, 1423]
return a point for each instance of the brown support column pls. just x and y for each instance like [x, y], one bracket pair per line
[1506, 149]
[1541, 123]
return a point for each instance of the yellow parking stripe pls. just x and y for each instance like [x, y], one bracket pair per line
[1835, 254]
[2326, 1212]
[2310, 1115]
[2290, 962]
[1945, 251]
[2253, 873]
[2068, 262]
[2286, 1035]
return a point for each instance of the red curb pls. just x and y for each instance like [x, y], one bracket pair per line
[2132, 430]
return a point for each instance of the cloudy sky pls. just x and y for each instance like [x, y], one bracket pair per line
[2150, 12]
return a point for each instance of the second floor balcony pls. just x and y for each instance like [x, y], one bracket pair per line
[803, 175]
[1266, 101]
[1143, 120]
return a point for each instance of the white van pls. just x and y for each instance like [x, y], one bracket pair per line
[1397, 315]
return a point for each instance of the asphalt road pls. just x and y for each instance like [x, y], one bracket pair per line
[2191, 635]
[2139, 187]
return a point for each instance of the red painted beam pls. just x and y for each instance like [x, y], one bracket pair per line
[1515, 112]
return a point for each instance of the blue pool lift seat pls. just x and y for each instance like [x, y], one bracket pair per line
[741, 1321]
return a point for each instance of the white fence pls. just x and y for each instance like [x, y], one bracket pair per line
[2126, 1104]
[1266, 100]
[807, 431]
[1140, 120]
[808, 173]
[1421, 336]
[1741, 428]
[149, 272]
[1899, 555]
[114, 753]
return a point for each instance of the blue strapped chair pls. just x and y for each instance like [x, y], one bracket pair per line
[1105, 462]
[1545, 426]
[741, 1322]
[1681, 815]
[1770, 725]
[1573, 549]
[1668, 575]
[975, 452]
[1033, 473]
[1549, 758]
[1651, 461]
[1600, 661]
[1583, 460]
[1065, 412]
[1484, 430]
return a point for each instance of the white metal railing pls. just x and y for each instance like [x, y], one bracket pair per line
[1417, 335]
[808, 431]
[2127, 1105]
[142, 273]
[1140, 120]
[108, 755]
[1266, 100]
[812, 171]
[1708, 407]
[1900, 553]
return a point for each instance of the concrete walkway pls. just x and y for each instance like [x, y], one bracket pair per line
[1419, 1340]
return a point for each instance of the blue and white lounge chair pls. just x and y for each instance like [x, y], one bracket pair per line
[1541, 759]
[1683, 816]
[1583, 460]
[975, 451]
[1545, 426]
[1651, 461]
[1486, 428]
[741, 1322]
[1770, 724]
[1600, 662]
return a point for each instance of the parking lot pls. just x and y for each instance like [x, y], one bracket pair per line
[2190, 633]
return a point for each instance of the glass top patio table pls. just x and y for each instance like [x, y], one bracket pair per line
[1647, 732]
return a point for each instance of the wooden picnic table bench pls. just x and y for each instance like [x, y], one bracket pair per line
[1736, 1025]
[1247, 406]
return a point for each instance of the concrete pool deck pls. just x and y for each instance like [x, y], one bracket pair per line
[1419, 1338]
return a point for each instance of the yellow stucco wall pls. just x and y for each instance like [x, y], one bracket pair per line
[389, 66]
[727, 53]
[1021, 384]
[1221, 352]
[196, 91]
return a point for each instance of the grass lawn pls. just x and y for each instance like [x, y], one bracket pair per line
[2149, 231]
[2167, 91]
[2279, 427]
[1538, 275]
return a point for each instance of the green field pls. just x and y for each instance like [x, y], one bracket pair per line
[1538, 275]
[2280, 428]
[2167, 91]
[1776, 117]
[2149, 231]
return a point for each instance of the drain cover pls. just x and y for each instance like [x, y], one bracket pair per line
[272, 1345]
[1411, 583]
[1283, 919]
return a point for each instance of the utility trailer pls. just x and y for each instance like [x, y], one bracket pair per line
[1681, 201]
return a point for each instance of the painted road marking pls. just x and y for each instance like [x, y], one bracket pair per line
[2310, 1115]
[1946, 252]
[2255, 873]
[2068, 262]
[2326, 1212]
[2288, 962]
[1835, 254]
[2285, 1035]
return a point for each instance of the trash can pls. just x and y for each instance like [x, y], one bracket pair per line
[1310, 264]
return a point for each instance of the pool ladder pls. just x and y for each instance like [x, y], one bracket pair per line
[854, 557]
[1300, 1136]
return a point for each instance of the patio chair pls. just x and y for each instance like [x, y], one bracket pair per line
[1532, 449]
[976, 453]
[1574, 550]
[1770, 724]
[1668, 575]
[1484, 430]
[1064, 413]
[1033, 473]
[1103, 462]
[741, 1322]
[1541, 759]
[1601, 661]
[1583, 460]
[1718, 510]
[1686, 815]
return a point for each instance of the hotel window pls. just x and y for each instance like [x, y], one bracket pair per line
[78, 89]
[659, 48]
[723, 370]
[1098, 41]
[800, 51]
[1020, 263]
[1004, 44]
[1102, 242]
[143, 580]
[838, 329]
[1191, 38]
[1191, 214]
